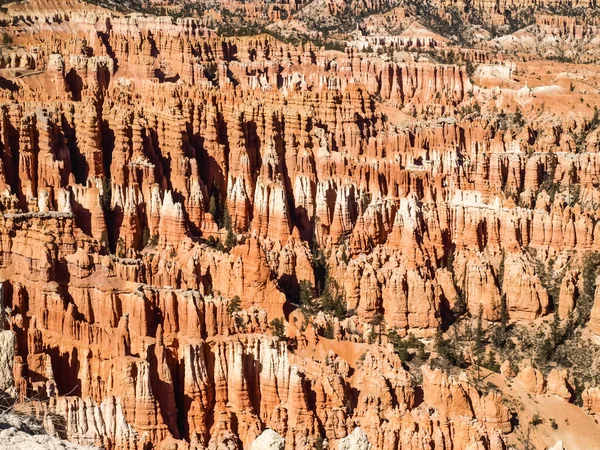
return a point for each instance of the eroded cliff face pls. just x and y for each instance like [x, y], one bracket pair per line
[166, 193]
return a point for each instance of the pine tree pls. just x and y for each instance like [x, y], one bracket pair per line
[145, 237]
[438, 342]
[460, 307]
[478, 336]
[226, 218]
[545, 350]
[332, 299]
[278, 327]
[500, 276]
[500, 333]
[394, 337]
[212, 207]
[556, 334]
[230, 239]
[503, 314]
[235, 304]
[478, 345]
[492, 363]
[569, 327]
[307, 294]
[446, 350]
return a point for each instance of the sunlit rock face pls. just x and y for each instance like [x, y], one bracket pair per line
[171, 200]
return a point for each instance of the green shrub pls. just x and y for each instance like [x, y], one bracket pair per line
[448, 350]
[6, 39]
[536, 420]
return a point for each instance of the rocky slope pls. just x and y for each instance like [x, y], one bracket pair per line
[217, 242]
[18, 428]
[17, 432]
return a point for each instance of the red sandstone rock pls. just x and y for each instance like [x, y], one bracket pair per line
[533, 380]
[118, 165]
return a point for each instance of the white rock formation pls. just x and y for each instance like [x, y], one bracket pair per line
[357, 440]
[7, 357]
[24, 433]
[268, 440]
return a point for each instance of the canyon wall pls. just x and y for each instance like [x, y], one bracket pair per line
[166, 193]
